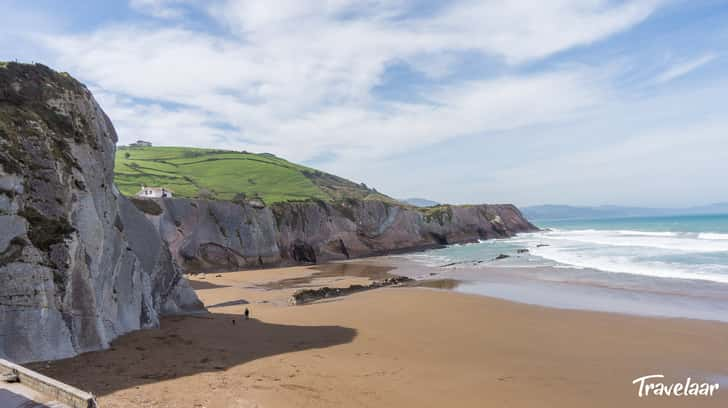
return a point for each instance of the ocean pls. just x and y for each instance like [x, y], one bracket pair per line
[674, 266]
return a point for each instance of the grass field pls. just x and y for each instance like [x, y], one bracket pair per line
[225, 175]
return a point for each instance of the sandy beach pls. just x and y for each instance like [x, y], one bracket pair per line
[404, 347]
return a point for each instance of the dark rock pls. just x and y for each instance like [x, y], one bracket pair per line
[303, 252]
[219, 235]
[146, 205]
[502, 256]
[311, 295]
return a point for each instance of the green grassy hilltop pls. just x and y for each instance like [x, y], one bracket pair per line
[227, 175]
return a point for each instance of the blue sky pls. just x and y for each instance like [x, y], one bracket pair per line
[558, 101]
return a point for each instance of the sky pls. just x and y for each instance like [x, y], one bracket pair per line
[582, 102]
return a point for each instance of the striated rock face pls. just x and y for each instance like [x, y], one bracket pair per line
[214, 235]
[79, 264]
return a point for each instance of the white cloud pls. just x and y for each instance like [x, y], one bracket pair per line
[684, 68]
[523, 30]
[284, 108]
[659, 166]
[296, 78]
[516, 30]
[303, 79]
[167, 9]
[180, 126]
[280, 15]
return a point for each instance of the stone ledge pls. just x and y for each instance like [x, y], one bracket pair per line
[64, 393]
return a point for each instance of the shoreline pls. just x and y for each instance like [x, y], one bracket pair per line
[580, 289]
[395, 346]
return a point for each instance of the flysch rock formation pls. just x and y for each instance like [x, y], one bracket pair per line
[214, 235]
[79, 264]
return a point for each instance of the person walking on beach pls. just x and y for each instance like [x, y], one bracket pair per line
[247, 313]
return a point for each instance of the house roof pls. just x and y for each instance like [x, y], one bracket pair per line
[157, 189]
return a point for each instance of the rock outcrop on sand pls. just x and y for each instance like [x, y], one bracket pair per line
[79, 264]
[215, 235]
[303, 296]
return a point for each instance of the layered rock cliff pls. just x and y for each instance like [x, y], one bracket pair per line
[79, 264]
[216, 235]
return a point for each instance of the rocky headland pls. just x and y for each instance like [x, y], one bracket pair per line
[80, 264]
[209, 236]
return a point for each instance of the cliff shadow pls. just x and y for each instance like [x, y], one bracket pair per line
[185, 346]
[9, 399]
[201, 285]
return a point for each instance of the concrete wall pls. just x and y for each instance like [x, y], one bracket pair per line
[63, 393]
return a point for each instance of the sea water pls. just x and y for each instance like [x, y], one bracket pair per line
[673, 266]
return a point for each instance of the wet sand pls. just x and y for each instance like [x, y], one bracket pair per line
[409, 347]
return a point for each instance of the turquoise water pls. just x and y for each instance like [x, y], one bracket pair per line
[676, 247]
[686, 247]
[661, 266]
[685, 223]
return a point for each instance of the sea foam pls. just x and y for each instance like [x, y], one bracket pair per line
[683, 255]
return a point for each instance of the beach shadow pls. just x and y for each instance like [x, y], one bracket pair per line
[230, 303]
[9, 399]
[185, 346]
[197, 285]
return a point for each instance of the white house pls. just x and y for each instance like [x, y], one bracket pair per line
[154, 192]
[140, 143]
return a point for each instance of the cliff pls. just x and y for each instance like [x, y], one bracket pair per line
[219, 235]
[79, 264]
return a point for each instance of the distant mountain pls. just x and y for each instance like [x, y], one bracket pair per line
[560, 212]
[420, 202]
[717, 208]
